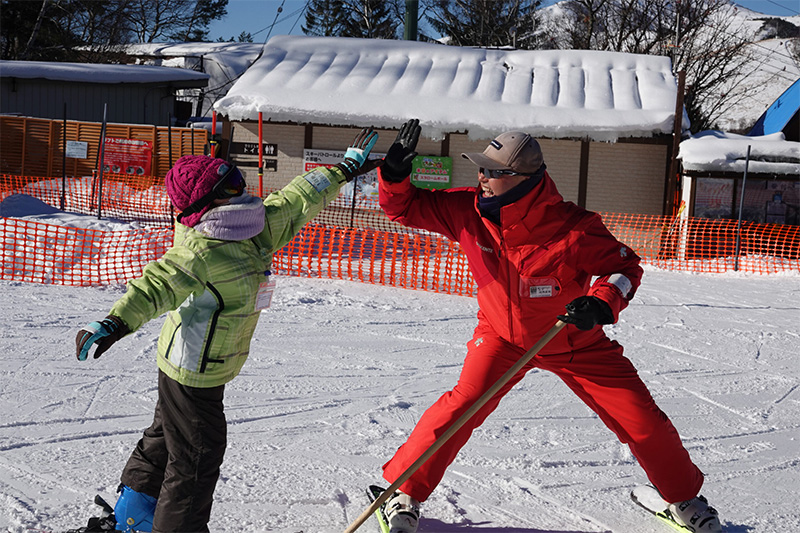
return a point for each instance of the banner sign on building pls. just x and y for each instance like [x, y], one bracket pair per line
[432, 172]
[127, 156]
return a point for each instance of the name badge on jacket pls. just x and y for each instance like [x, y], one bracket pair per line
[539, 287]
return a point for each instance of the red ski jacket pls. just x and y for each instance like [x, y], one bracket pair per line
[542, 256]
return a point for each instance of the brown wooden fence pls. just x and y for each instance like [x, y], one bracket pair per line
[35, 146]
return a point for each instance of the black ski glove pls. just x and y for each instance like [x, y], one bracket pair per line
[585, 312]
[104, 333]
[397, 163]
[355, 159]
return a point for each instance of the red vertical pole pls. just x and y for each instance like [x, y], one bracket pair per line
[260, 156]
[213, 133]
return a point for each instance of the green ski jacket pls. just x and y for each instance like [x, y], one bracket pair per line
[211, 287]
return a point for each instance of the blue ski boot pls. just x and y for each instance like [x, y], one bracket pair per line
[134, 511]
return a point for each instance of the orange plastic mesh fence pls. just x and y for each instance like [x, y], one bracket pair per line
[48, 253]
[139, 199]
[358, 244]
[411, 261]
[705, 245]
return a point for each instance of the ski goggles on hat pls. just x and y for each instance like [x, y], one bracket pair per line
[497, 174]
[230, 184]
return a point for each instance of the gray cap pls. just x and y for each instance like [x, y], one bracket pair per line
[512, 150]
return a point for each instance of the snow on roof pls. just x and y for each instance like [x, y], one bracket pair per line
[223, 62]
[718, 151]
[97, 73]
[383, 83]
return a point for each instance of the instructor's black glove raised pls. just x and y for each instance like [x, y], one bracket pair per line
[585, 312]
[397, 163]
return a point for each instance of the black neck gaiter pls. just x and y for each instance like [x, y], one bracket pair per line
[489, 206]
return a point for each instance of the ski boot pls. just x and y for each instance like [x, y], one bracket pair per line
[134, 511]
[402, 513]
[696, 515]
[98, 524]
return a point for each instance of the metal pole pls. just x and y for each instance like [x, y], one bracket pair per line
[64, 160]
[353, 206]
[741, 207]
[169, 138]
[102, 162]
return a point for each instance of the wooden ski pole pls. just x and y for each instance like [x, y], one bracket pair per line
[530, 354]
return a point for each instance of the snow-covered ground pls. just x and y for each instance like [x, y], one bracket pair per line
[341, 371]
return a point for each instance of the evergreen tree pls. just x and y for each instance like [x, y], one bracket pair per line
[370, 19]
[325, 18]
[491, 23]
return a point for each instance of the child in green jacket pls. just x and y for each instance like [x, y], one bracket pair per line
[214, 282]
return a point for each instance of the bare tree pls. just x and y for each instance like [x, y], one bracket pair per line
[86, 30]
[701, 36]
[154, 20]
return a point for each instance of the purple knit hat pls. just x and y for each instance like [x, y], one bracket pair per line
[190, 179]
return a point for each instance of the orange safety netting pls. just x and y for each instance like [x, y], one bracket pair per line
[139, 199]
[350, 240]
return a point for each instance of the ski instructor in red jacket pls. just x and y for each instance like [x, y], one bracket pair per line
[533, 255]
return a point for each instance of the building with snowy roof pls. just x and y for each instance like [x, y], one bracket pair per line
[134, 94]
[717, 165]
[604, 119]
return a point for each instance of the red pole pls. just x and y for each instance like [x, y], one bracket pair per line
[260, 156]
[213, 133]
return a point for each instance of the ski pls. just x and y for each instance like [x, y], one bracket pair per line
[98, 524]
[648, 498]
[373, 493]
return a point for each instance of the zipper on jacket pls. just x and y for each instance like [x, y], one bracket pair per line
[211, 329]
[512, 294]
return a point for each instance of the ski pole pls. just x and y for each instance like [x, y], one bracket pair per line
[530, 354]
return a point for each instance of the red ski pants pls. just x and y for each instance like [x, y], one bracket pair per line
[600, 375]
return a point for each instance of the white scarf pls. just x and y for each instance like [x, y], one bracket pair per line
[242, 218]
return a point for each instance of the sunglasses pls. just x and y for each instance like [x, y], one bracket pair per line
[497, 174]
[230, 184]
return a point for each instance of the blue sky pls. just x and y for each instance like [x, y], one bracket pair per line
[257, 16]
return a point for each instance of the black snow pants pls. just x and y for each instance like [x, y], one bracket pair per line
[178, 458]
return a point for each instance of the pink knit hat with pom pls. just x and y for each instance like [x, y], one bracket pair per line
[191, 178]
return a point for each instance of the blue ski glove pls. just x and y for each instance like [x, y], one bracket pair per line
[104, 333]
[397, 163]
[356, 155]
[585, 312]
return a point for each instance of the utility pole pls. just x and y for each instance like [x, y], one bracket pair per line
[410, 31]
[676, 44]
